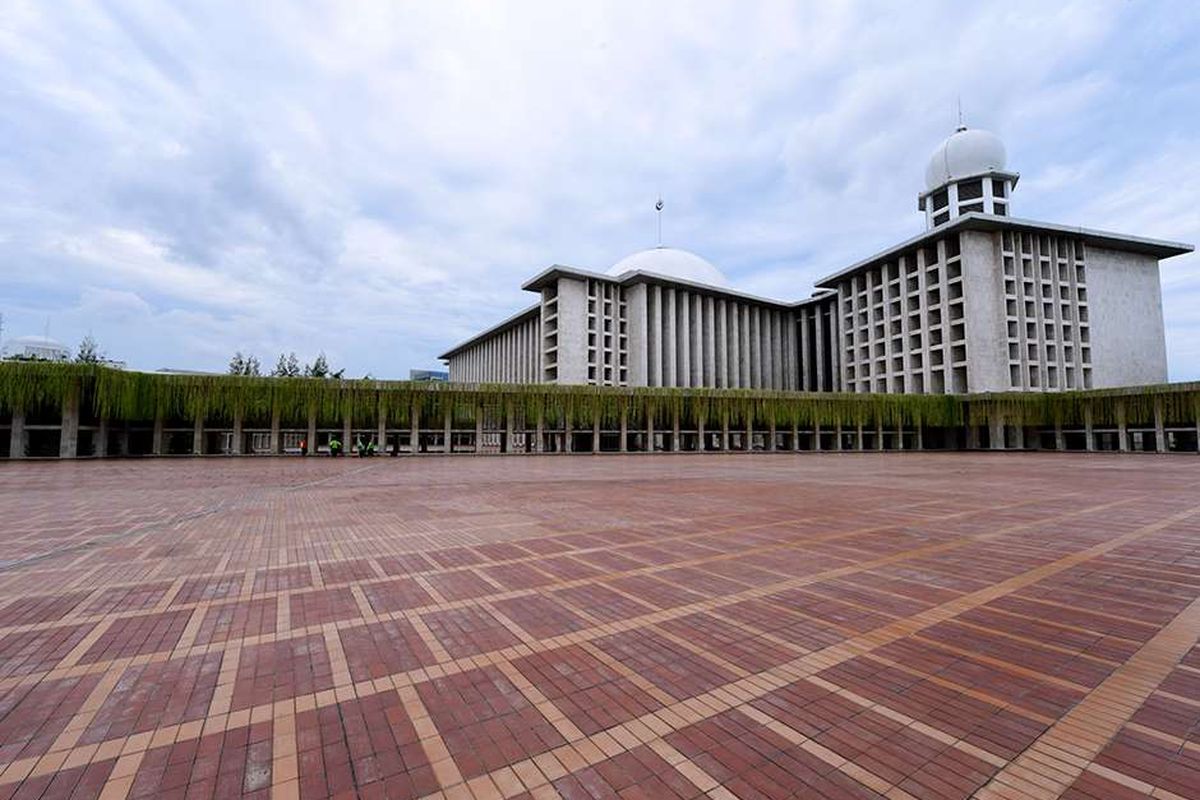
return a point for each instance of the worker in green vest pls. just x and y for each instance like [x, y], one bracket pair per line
[335, 446]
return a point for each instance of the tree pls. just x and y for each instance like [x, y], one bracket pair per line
[237, 364]
[318, 369]
[288, 366]
[252, 366]
[89, 351]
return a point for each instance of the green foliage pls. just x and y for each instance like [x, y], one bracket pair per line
[121, 394]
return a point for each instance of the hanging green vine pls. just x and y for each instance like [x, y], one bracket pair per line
[141, 396]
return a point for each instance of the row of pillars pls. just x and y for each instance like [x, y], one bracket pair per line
[997, 430]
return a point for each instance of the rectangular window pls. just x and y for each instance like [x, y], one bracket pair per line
[997, 187]
[970, 190]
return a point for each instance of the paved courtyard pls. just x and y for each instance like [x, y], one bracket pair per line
[824, 626]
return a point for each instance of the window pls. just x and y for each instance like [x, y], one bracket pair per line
[997, 188]
[940, 199]
[970, 190]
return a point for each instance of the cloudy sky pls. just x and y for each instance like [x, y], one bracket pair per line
[376, 179]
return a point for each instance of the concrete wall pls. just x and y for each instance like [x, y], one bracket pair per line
[1125, 315]
[983, 308]
[572, 330]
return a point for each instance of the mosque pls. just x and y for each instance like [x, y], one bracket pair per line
[981, 301]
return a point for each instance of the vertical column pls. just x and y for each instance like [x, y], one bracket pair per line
[837, 436]
[596, 432]
[816, 436]
[754, 329]
[381, 428]
[858, 444]
[684, 376]
[347, 433]
[509, 427]
[803, 360]
[725, 432]
[538, 444]
[414, 428]
[1089, 435]
[276, 444]
[624, 446]
[879, 434]
[1160, 428]
[198, 435]
[900, 437]
[478, 428]
[448, 429]
[735, 346]
[722, 344]
[649, 430]
[795, 436]
[700, 434]
[654, 339]
[16, 442]
[312, 432]
[670, 340]
[777, 372]
[1060, 441]
[996, 430]
[1122, 429]
[710, 342]
[919, 444]
[638, 323]
[819, 356]
[697, 360]
[746, 354]
[748, 445]
[100, 443]
[675, 434]
[68, 439]
[771, 433]
[156, 437]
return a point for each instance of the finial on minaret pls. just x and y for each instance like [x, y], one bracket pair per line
[961, 126]
[658, 207]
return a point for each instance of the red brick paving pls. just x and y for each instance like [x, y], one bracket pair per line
[827, 626]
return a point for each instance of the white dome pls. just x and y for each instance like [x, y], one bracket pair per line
[672, 263]
[965, 152]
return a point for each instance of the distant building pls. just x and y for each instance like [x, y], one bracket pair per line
[426, 375]
[979, 302]
[39, 348]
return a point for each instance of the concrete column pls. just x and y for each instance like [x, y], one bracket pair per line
[771, 434]
[509, 427]
[1122, 430]
[237, 433]
[996, 431]
[311, 436]
[478, 429]
[414, 429]
[675, 431]
[448, 431]
[1019, 437]
[795, 437]
[879, 435]
[624, 446]
[748, 445]
[1160, 428]
[198, 436]
[156, 438]
[654, 342]
[725, 433]
[700, 435]
[684, 378]
[381, 432]
[276, 439]
[347, 433]
[858, 445]
[68, 440]
[541, 431]
[638, 323]
[670, 341]
[649, 431]
[1060, 440]
[721, 334]
[710, 342]
[819, 335]
[745, 353]
[735, 357]
[816, 443]
[802, 361]
[920, 438]
[596, 433]
[16, 443]
[100, 443]
[123, 441]
[754, 329]
[899, 437]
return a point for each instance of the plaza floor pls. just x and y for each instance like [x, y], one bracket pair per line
[755, 626]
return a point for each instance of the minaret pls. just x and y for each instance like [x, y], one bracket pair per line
[966, 174]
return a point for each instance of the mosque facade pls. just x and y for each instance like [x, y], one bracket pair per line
[981, 301]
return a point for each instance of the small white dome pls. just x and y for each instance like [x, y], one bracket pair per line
[967, 151]
[672, 263]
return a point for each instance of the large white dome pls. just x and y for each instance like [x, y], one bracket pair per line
[965, 152]
[672, 263]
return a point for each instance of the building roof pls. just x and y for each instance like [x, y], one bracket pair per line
[964, 153]
[509, 322]
[989, 222]
[672, 262]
